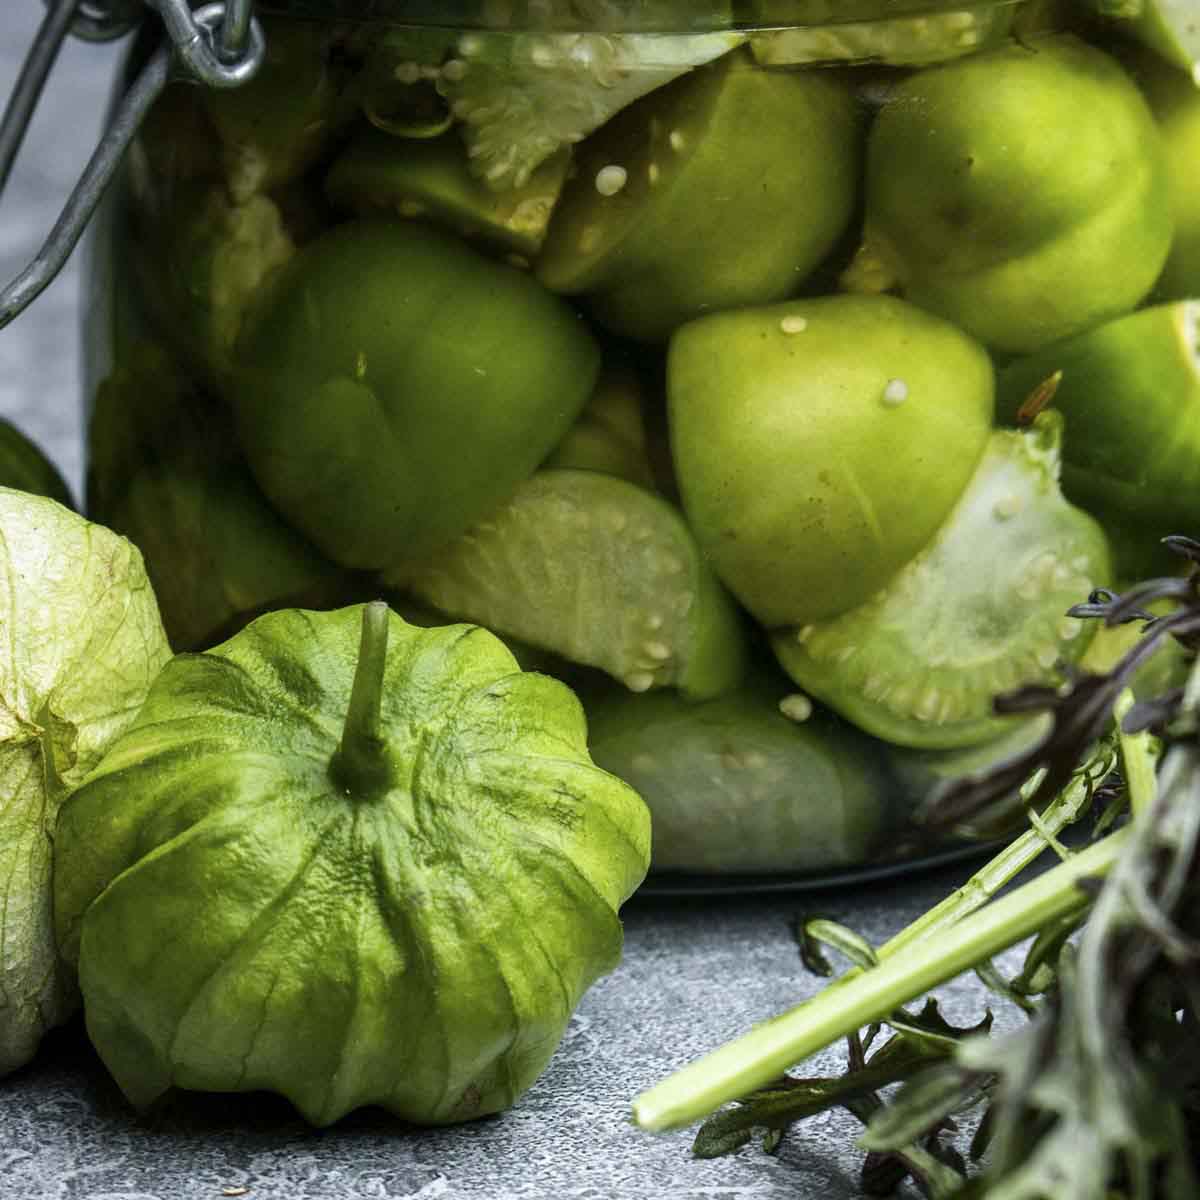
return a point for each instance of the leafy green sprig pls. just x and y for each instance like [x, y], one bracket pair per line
[1098, 1096]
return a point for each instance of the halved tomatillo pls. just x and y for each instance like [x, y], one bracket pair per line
[734, 784]
[725, 188]
[982, 610]
[599, 571]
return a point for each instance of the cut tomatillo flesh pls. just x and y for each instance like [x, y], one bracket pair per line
[349, 861]
[767, 14]
[995, 179]
[393, 386]
[733, 784]
[430, 181]
[599, 571]
[1130, 393]
[674, 208]
[912, 40]
[979, 612]
[520, 97]
[848, 427]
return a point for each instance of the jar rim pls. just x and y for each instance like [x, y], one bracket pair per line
[617, 16]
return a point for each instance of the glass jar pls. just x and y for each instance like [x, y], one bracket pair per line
[779, 373]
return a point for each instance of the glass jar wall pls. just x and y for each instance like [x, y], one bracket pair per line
[778, 373]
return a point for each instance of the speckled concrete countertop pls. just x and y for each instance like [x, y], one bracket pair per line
[696, 971]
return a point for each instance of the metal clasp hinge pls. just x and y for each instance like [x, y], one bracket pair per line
[219, 44]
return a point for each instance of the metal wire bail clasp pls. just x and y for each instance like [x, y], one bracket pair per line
[219, 44]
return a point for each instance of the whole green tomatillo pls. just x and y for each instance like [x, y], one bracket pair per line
[348, 860]
[1021, 193]
[847, 429]
[393, 386]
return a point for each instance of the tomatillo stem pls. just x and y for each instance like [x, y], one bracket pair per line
[360, 765]
[769, 1049]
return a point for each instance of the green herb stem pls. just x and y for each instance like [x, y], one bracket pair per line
[361, 766]
[768, 1050]
[1139, 759]
[995, 874]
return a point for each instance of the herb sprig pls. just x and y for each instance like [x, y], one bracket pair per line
[1097, 1097]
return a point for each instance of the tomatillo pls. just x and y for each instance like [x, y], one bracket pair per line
[981, 611]
[820, 443]
[1130, 393]
[393, 386]
[1021, 193]
[727, 187]
[347, 860]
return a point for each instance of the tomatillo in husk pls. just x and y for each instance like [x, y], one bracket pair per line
[82, 643]
[348, 860]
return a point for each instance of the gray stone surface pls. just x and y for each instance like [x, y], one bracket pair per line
[697, 970]
[39, 354]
